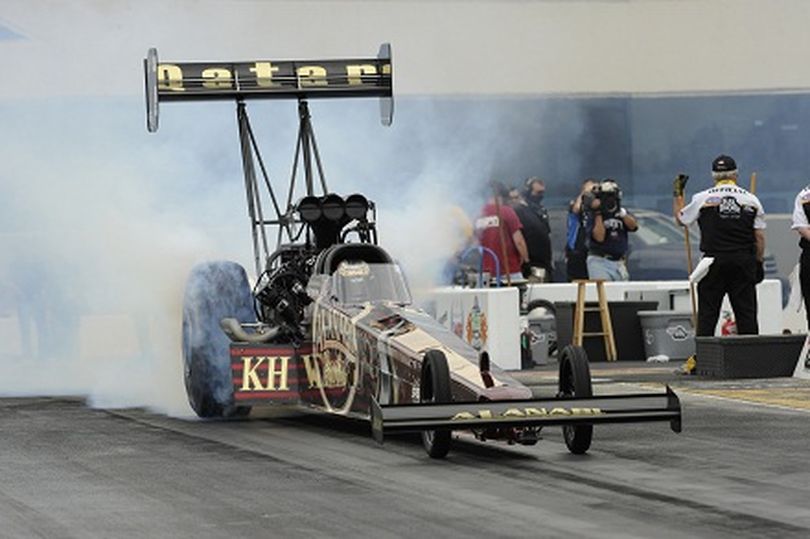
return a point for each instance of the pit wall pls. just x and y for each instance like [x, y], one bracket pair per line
[488, 318]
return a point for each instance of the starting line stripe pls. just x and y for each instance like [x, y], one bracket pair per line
[791, 399]
[744, 396]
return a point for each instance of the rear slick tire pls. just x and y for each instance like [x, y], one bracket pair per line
[435, 388]
[575, 381]
[214, 290]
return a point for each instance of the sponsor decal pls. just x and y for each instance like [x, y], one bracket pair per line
[487, 221]
[334, 363]
[265, 373]
[332, 374]
[729, 208]
[526, 413]
[477, 326]
[268, 75]
[713, 201]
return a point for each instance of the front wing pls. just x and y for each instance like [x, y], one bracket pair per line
[632, 408]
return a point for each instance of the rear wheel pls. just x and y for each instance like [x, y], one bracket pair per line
[575, 381]
[214, 290]
[435, 387]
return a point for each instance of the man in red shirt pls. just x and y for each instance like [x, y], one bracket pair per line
[499, 230]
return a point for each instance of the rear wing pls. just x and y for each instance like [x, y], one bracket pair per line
[633, 408]
[268, 79]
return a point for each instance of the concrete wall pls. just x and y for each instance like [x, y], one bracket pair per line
[440, 47]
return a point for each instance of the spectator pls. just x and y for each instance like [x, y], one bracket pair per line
[499, 230]
[536, 233]
[576, 245]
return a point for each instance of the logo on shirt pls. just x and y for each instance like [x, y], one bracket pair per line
[713, 201]
[729, 208]
[487, 221]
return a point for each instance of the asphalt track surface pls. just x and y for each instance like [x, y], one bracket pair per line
[737, 470]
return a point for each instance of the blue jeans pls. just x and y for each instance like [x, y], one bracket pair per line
[602, 268]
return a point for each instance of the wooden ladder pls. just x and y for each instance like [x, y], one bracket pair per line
[604, 316]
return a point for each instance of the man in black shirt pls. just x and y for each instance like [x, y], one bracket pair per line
[536, 231]
[732, 224]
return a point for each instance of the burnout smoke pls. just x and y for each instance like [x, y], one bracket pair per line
[103, 233]
[102, 222]
[97, 246]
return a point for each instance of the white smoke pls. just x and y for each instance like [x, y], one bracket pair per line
[107, 220]
[100, 231]
[102, 221]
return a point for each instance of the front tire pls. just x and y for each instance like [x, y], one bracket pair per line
[435, 387]
[575, 381]
[214, 290]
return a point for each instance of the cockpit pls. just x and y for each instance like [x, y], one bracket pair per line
[358, 282]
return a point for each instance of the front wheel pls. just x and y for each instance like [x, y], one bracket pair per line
[575, 381]
[435, 387]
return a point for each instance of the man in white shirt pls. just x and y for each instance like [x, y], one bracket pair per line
[732, 224]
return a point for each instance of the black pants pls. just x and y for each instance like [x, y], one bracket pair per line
[734, 275]
[804, 279]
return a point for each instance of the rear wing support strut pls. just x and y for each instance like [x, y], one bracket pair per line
[306, 149]
[249, 149]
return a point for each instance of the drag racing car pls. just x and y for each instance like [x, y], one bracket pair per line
[328, 324]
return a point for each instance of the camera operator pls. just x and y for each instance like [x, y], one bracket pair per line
[610, 223]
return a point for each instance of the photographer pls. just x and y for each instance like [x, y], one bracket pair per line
[610, 223]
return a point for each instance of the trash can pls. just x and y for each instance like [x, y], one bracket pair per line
[543, 334]
[667, 333]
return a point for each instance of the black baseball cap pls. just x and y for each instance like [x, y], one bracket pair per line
[723, 163]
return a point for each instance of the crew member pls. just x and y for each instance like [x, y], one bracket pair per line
[499, 230]
[536, 232]
[576, 245]
[534, 193]
[609, 225]
[801, 224]
[732, 223]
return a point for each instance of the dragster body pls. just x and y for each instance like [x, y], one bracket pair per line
[366, 345]
[329, 324]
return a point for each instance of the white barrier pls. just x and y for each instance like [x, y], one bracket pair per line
[487, 318]
[769, 297]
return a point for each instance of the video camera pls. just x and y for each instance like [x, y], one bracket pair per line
[609, 195]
